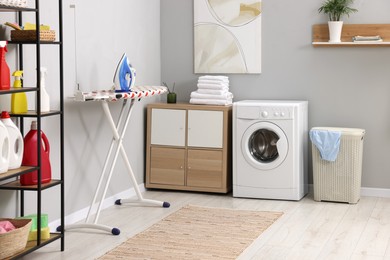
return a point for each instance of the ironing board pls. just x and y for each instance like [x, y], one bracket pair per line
[118, 131]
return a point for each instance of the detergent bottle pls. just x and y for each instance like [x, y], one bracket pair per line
[18, 100]
[4, 146]
[15, 141]
[45, 99]
[30, 157]
[5, 76]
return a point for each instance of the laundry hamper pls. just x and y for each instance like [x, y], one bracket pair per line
[340, 180]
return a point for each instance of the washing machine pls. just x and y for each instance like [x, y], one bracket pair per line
[270, 149]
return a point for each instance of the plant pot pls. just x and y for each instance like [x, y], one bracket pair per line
[171, 97]
[335, 28]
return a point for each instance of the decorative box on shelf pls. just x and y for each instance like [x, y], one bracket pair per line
[31, 35]
[14, 3]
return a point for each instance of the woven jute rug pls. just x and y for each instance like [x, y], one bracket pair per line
[195, 232]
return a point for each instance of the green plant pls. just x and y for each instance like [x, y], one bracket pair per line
[173, 88]
[335, 9]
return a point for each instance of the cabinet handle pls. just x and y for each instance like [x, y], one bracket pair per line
[181, 167]
[189, 167]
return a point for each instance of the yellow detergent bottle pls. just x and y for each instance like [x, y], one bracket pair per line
[18, 100]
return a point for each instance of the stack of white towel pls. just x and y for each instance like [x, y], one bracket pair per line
[212, 90]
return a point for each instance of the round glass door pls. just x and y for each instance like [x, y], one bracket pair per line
[264, 145]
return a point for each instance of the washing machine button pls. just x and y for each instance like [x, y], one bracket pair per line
[276, 114]
[282, 114]
[264, 114]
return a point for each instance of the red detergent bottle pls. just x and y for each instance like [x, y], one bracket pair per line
[5, 76]
[30, 157]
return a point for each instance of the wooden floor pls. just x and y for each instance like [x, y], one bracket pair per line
[307, 229]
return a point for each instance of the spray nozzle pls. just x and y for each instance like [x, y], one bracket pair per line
[17, 74]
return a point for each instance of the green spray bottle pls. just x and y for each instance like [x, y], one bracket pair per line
[18, 100]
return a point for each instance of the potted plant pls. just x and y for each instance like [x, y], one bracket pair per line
[171, 97]
[335, 9]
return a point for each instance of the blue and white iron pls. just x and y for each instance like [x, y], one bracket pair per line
[124, 77]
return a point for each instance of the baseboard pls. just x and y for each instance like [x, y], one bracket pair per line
[108, 202]
[367, 192]
[375, 192]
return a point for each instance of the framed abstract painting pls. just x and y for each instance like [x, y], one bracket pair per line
[227, 36]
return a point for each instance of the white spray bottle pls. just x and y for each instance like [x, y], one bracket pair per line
[45, 99]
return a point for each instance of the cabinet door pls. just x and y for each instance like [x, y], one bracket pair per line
[168, 127]
[204, 168]
[205, 128]
[167, 166]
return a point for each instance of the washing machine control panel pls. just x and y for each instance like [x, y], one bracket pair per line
[276, 112]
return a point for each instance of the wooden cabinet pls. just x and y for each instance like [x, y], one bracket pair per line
[188, 147]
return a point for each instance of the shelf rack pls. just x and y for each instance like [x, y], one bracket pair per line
[321, 35]
[8, 179]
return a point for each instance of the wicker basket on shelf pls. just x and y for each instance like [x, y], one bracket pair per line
[14, 241]
[31, 35]
[14, 3]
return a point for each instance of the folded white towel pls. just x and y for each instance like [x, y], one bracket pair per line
[208, 77]
[225, 95]
[220, 102]
[212, 91]
[213, 86]
[212, 81]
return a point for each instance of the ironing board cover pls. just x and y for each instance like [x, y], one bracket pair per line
[136, 92]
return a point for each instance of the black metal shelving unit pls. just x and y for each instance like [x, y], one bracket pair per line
[8, 178]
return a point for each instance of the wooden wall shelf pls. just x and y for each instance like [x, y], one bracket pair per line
[321, 35]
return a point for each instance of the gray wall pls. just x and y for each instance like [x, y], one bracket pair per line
[103, 32]
[345, 87]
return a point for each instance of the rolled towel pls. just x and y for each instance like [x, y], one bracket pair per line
[225, 95]
[212, 91]
[219, 102]
[213, 86]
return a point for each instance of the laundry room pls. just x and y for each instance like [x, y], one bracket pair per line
[162, 132]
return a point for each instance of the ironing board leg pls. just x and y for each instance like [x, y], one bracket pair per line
[116, 139]
[119, 139]
[113, 230]
[105, 168]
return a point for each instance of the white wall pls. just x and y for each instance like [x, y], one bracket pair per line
[345, 87]
[104, 30]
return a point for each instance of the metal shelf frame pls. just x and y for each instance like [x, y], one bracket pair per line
[11, 185]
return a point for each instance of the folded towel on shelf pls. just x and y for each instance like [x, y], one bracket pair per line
[224, 95]
[210, 81]
[213, 86]
[211, 91]
[327, 142]
[220, 102]
[211, 77]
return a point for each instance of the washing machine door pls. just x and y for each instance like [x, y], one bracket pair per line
[264, 145]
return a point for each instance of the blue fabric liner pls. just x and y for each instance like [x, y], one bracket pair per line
[327, 142]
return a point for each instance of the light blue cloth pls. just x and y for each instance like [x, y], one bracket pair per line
[327, 142]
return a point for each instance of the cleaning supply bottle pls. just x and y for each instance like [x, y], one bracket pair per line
[18, 100]
[15, 141]
[4, 148]
[5, 76]
[30, 157]
[45, 99]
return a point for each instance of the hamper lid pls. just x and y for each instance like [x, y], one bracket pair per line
[344, 131]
